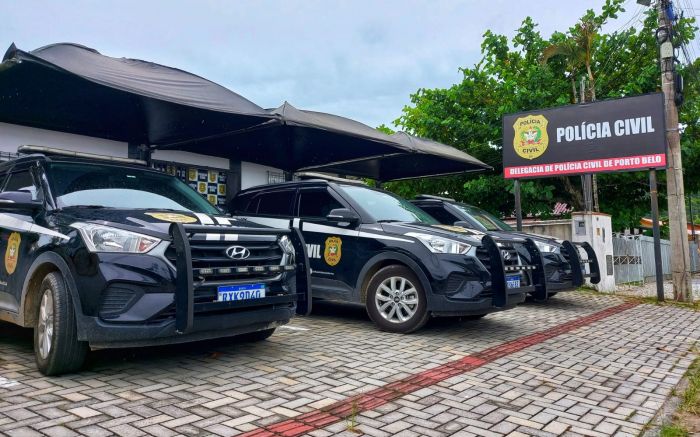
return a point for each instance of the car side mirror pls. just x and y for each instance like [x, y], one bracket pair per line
[462, 223]
[343, 217]
[19, 200]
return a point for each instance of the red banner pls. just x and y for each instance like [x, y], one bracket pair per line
[587, 166]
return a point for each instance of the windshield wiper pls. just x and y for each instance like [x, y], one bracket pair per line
[388, 221]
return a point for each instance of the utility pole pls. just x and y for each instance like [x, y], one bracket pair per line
[585, 178]
[677, 220]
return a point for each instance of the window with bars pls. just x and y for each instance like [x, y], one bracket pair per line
[209, 182]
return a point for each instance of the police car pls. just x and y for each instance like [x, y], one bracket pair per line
[103, 254]
[369, 246]
[566, 264]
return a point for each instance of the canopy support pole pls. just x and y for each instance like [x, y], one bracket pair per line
[518, 207]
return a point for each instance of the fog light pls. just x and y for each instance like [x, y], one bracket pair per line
[289, 268]
[206, 271]
[258, 269]
[224, 271]
[242, 269]
[274, 268]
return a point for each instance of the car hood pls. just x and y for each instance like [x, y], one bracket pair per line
[469, 236]
[146, 220]
[535, 237]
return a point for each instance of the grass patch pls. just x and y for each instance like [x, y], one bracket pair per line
[672, 431]
[685, 419]
[351, 420]
[693, 306]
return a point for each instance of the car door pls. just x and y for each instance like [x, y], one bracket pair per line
[15, 245]
[331, 248]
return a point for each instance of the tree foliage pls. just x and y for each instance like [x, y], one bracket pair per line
[512, 77]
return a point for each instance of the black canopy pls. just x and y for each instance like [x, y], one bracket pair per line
[421, 157]
[71, 88]
[303, 139]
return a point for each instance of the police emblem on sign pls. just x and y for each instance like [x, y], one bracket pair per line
[531, 139]
[333, 250]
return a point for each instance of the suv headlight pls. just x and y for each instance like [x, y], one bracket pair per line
[546, 248]
[100, 238]
[441, 245]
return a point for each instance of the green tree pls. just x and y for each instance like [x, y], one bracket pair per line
[510, 77]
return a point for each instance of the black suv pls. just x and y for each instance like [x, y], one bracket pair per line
[566, 264]
[369, 246]
[102, 254]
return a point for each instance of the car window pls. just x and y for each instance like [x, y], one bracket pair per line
[487, 220]
[275, 202]
[440, 214]
[317, 203]
[20, 181]
[383, 206]
[110, 186]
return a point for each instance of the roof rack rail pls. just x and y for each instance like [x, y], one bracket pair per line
[29, 149]
[430, 197]
[307, 175]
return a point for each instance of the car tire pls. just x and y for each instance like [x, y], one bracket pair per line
[56, 346]
[396, 301]
[256, 336]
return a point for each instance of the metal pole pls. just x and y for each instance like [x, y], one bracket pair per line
[657, 235]
[518, 207]
[692, 221]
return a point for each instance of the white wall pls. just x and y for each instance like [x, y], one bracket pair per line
[190, 158]
[255, 174]
[13, 136]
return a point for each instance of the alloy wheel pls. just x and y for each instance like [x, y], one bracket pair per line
[396, 299]
[45, 325]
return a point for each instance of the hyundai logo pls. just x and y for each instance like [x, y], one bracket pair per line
[237, 252]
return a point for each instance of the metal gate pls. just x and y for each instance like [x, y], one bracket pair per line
[633, 258]
[627, 259]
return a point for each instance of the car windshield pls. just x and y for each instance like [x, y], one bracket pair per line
[385, 207]
[111, 186]
[485, 219]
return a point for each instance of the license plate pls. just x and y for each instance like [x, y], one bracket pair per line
[513, 281]
[229, 293]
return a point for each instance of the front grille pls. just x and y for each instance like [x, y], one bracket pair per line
[510, 258]
[211, 266]
[210, 262]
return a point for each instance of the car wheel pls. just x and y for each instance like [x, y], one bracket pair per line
[396, 300]
[256, 336]
[56, 346]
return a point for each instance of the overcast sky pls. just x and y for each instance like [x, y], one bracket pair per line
[357, 58]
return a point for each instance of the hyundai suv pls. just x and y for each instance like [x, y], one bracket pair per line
[372, 247]
[110, 254]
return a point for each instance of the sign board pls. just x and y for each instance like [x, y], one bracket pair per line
[611, 135]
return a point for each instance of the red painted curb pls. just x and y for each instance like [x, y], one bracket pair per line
[383, 395]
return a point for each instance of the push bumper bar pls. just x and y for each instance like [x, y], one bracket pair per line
[578, 264]
[499, 270]
[184, 284]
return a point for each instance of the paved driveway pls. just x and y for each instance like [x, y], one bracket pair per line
[580, 364]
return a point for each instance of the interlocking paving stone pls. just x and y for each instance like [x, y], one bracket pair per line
[610, 376]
